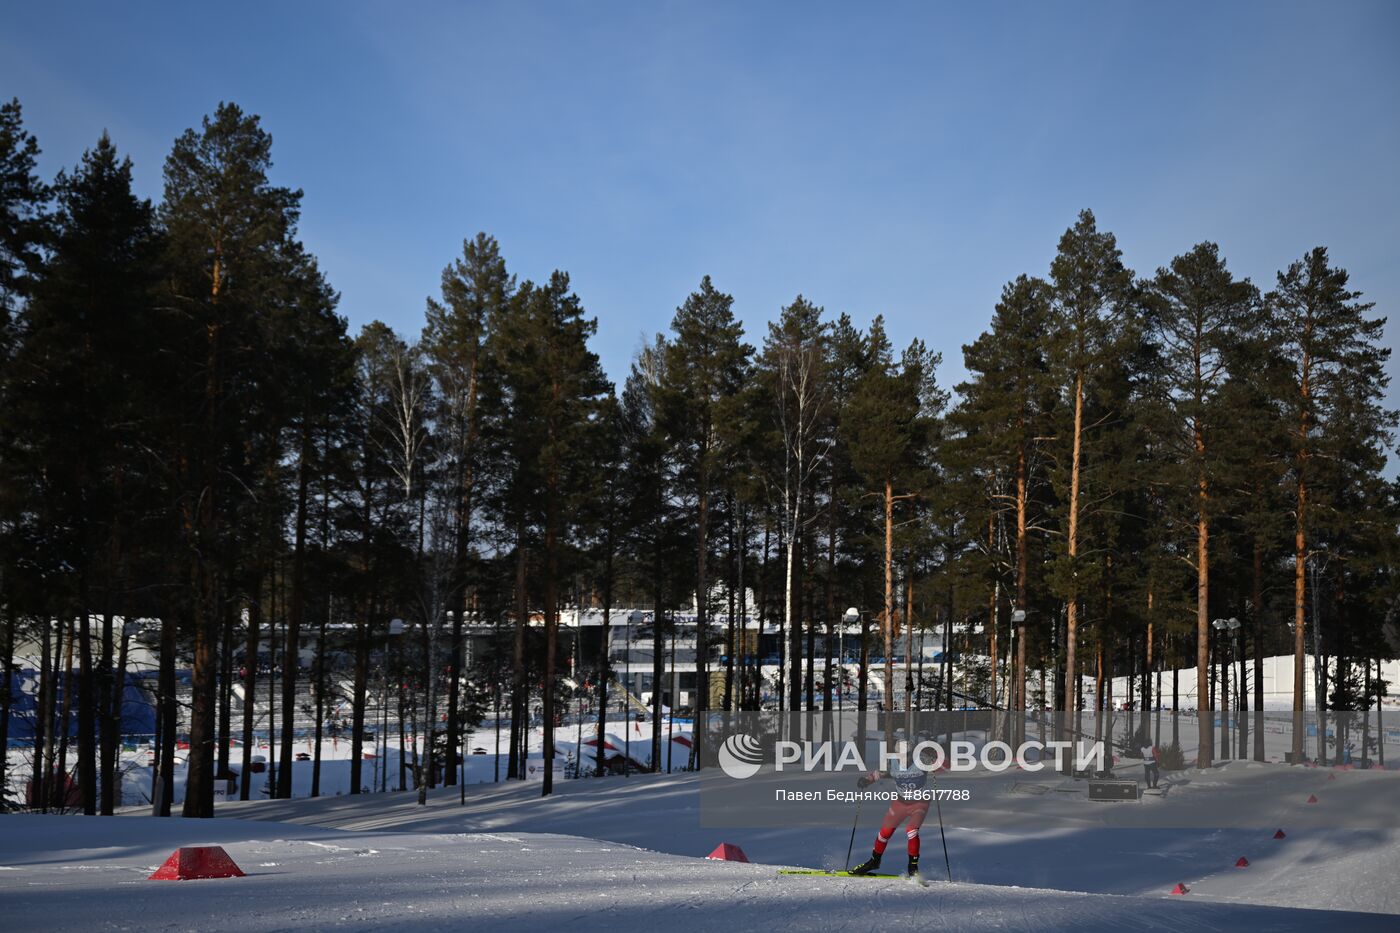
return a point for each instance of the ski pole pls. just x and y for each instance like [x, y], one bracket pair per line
[939, 807]
[852, 843]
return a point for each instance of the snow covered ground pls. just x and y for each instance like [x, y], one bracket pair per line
[60, 873]
[625, 854]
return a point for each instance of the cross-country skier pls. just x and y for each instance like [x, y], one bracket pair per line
[910, 808]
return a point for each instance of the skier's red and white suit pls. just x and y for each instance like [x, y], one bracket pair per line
[910, 808]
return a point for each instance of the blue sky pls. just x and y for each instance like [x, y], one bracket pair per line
[896, 158]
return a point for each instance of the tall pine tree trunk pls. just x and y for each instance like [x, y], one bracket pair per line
[790, 611]
[889, 614]
[163, 793]
[604, 659]
[108, 728]
[657, 646]
[225, 751]
[1148, 699]
[829, 595]
[463, 554]
[1205, 721]
[658, 673]
[87, 705]
[7, 656]
[1018, 704]
[203, 531]
[1300, 565]
[43, 719]
[250, 686]
[59, 794]
[1300, 562]
[112, 780]
[518, 700]
[702, 613]
[551, 623]
[992, 611]
[319, 685]
[1257, 598]
[1071, 671]
[291, 648]
[809, 679]
[735, 627]
[199, 779]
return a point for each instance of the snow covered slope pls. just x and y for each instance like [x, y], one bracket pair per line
[63, 873]
[1054, 841]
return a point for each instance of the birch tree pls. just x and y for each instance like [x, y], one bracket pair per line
[793, 364]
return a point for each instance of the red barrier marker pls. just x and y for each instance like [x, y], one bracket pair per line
[1180, 889]
[1242, 863]
[189, 862]
[1312, 798]
[1279, 835]
[727, 852]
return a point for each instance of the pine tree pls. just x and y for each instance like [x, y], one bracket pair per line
[382, 520]
[23, 221]
[704, 369]
[555, 388]
[1197, 310]
[1090, 287]
[226, 227]
[80, 378]
[1254, 461]
[655, 542]
[889, 426]
[1336, 380]
[474, 289]
[846, 363]
[309, 372]
[1004, 417]
[23, 203]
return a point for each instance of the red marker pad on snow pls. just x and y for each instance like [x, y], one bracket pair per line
[1280, 834]
[1312, 798]
[1242, 863]
[189, 862]
[1180, 889]
[727, 852]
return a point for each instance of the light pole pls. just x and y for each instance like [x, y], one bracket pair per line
[1226, 629]
[496, 677]
[850, 617]
[635, 614]
[1014, 701]
[1242, 695]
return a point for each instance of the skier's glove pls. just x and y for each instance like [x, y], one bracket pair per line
[864, 782]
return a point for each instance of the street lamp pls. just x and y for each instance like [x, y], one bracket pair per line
[851, 617]
[634, 616]
[1018, 617]
[1014, 701]
[1227, 628]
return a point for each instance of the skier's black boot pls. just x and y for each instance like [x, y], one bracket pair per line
[867, 866]
[913, 866]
